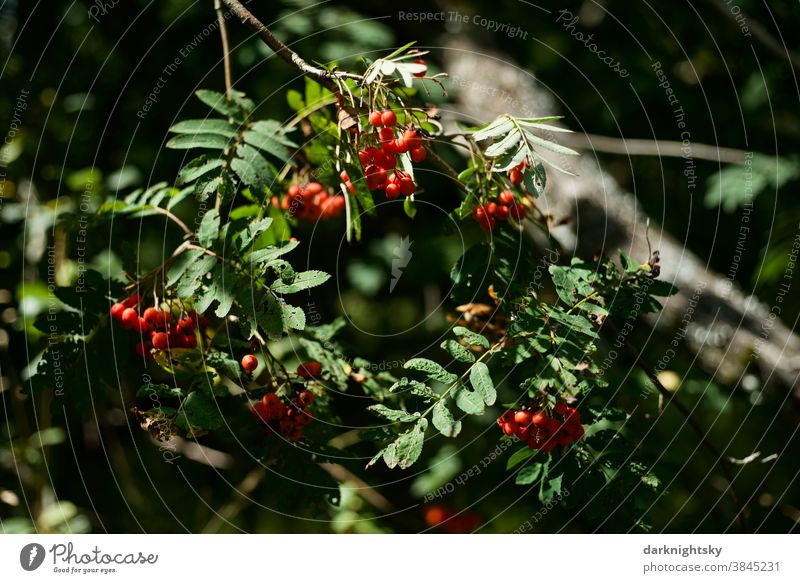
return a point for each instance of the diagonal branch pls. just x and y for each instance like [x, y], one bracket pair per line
[323, 77]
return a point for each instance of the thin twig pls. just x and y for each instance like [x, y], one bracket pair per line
[322, 76]
[226, 54]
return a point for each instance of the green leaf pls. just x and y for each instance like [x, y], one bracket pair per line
[208, 231]
[253, 170]
[205, 126]
[628, 264]
[198, 167]
[431, 369]
[189, 141]
[303, 280]
[393, 414]
[528, 475]
[496, 128]
[218, 102]
[294, 318]
[252, 231]
[190, 280]
[272, 252]
[471, 337]
[468, 401]
[199, 411]
[482, 383]
[502, 146]
[571, 282]
[408, 446]
[457, 351]
[520, 456]
[443, 420]
[409, 207]
[181, 264]
[224, 364]
[269, 144]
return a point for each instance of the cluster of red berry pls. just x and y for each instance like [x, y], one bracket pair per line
[162, 329]
[311, 202]
[288, 419]
[506, 206]
[380, 159]
[541, 430]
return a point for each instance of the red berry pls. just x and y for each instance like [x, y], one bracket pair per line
[375, 119]
[389, 118]
[309, 369]
[407, 186]
[400, 145]
[412, 138]
[305, 398]
[131, 301]
[560, 408]
[501, 212]
[389, 162]
[436, 514]
[507, 198]
[491, 208]
[487, 223]
[517, 212]
[392, 191]
[311, 189]
[522, 417]
[386, 134]
[510, 428]
[130, 319]
[116, 311]
[249, 362]
[142, 348]
[478, 213]
[418, 154]
[515, 176]
[160, 341]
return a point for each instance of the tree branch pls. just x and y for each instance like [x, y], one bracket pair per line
[323, 77]
[226, 54]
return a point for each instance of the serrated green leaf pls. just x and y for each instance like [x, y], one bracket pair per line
[252, 231]
[528, 475]
[199, 411]
[218, 102]
[443, 420]
[189, 141]
[408, 446]
[471, 337]
[496, 128]
[302, 280]
[431, 369]
[270, 253]
[470, 402]
[393, 414]
[208, 232]
[205, 126]
[519, 456]
[294, 318]
[502, 146]
[198, 167]
[457, 351]
[253, 170]
[482, 383]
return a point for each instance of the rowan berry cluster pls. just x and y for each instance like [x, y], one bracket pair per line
[541, 430]
[311, 202]
[450, 521]
[380, 159]
[161, 329]
[289, 418]
[505, 207]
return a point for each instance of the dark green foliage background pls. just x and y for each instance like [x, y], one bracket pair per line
[85, 85]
